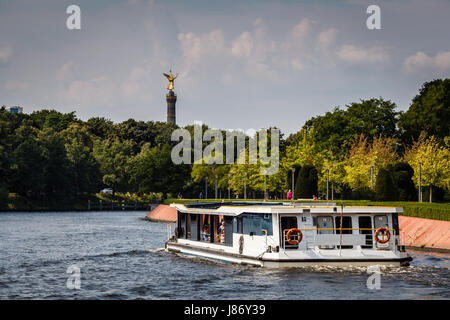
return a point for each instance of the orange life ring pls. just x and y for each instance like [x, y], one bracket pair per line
[288, 236]
[388, 234]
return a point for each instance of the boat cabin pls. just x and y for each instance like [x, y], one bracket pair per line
[279, 231]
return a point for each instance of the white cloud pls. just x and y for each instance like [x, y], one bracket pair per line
[136, 86]
[96, 92]
[243, 45]
[13, 85]
[5, 53]
[65, 71]
[301, 29]
[326, 38]
[195, 47]
[354, 54]
[296, 64]
[422, 62]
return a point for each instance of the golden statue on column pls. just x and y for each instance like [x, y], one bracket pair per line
[171, 77]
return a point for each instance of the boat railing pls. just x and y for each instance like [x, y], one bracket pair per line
[331, 238]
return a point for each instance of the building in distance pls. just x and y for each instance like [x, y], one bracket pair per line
[15, 109]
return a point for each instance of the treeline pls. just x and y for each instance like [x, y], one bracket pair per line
[56, 156]
[367, 150]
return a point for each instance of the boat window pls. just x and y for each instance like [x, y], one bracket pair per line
[325, 222]
[188, 225]
[211, 228]
[287, 223]
[255, 223]
[195, 227]
[395, 223]
[347, 224]
[181, 225]
[205, 227]
[228, 231]
[380, 221]
[219, 230]
[237, 224]
[366, 223]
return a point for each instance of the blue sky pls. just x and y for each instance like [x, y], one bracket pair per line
[242, 64]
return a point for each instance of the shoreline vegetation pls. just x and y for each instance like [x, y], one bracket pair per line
[86, 202]
[434, 211]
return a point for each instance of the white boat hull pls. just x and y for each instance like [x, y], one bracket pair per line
[277, 262]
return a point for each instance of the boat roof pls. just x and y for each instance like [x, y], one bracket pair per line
[235, 208]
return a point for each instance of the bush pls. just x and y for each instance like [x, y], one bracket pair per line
[307, 183]
[385, 189]
[402, 174]
[362, 194]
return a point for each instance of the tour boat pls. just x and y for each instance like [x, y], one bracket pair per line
[277, 234]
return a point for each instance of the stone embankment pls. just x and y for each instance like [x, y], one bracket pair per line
[425, 233]
[163, 213]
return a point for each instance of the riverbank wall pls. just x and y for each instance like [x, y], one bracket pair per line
[418, 232]
[163, 213]
[425, 233]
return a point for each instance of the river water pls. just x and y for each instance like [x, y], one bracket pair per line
[118, 258]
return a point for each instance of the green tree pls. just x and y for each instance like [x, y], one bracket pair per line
[434, 160]
[27, 169]
[100, 127]
[364, 155]
[336, 130]
[429, 111]
[56, 168]
[59, 121]
[152, 170]
[85, 172]
[114, 158]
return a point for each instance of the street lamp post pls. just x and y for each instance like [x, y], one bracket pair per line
[420, 181]
[216, 188]
[229, 195]
[265, 190]
[371, 176]
[245, 186]
[206, 187]
[332, 190]
[293, 183]
[328, 179]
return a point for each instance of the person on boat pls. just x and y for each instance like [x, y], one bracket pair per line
[222, 231]
[205, 233]
[289, 195]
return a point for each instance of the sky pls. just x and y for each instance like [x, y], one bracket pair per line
[245, 64]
